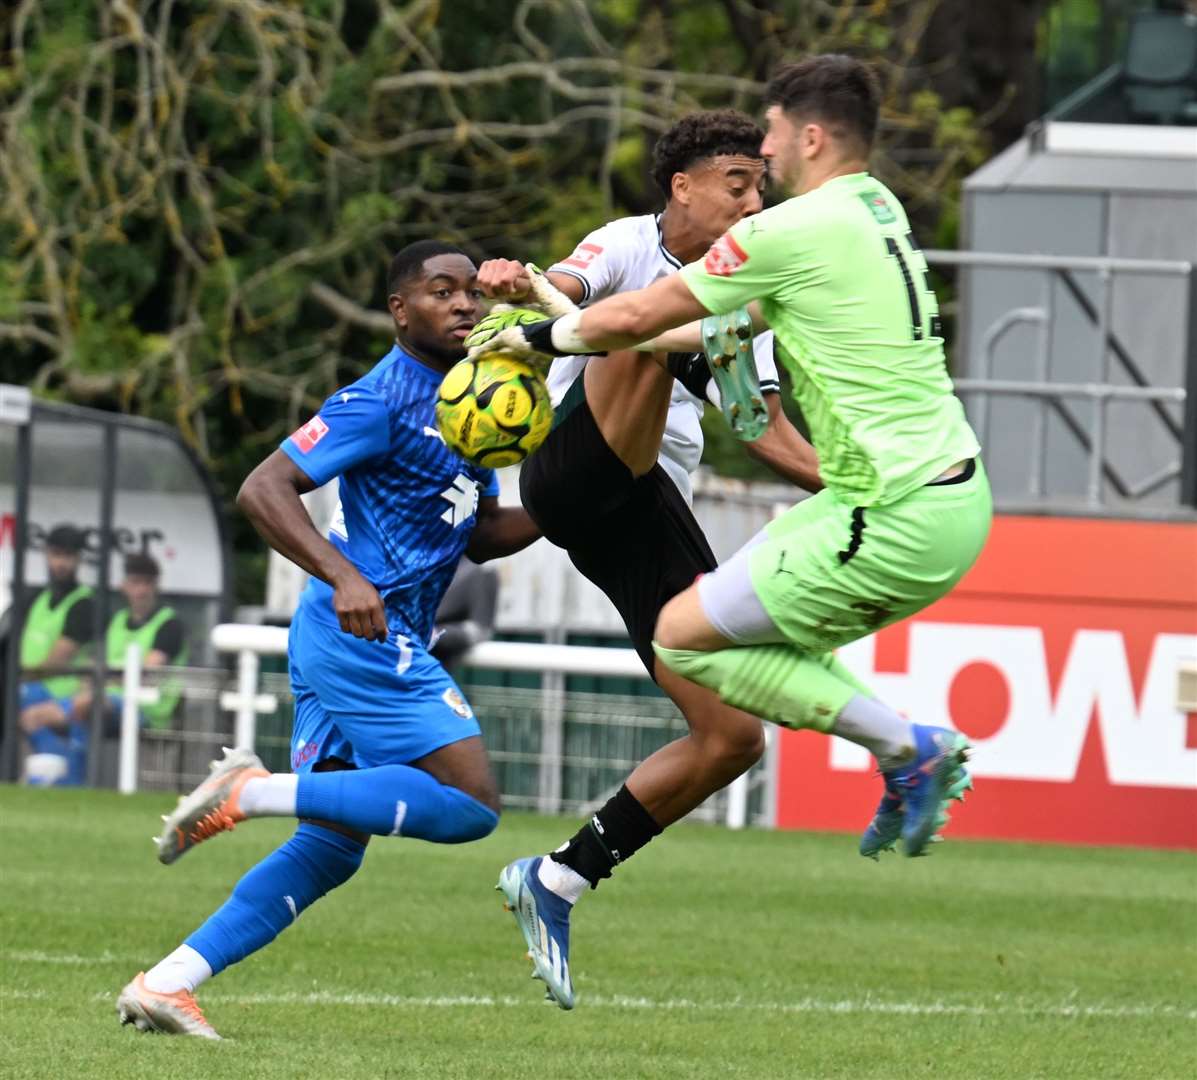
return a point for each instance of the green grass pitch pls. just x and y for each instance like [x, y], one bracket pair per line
[712, 954]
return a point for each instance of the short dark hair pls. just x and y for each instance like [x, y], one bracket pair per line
[410, 261]
[139, 564]
[65, 538]
[700, 136]
[839, 90]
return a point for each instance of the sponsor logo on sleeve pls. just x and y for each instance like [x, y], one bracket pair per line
[310, 434]
[725, 257]
[583, 256]
[457, 703]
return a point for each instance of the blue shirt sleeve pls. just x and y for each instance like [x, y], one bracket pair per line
[351, 427]
[492, 484]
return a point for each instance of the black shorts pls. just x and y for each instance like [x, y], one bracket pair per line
[634, 537]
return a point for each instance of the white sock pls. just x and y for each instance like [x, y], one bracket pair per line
[270, 796]
[184, 969]
[870, 723]
[563, 880]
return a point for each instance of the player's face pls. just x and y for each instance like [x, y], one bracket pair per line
[722, 190]
[61, 565]
[141, 591]
[783, 149]
[435, 311]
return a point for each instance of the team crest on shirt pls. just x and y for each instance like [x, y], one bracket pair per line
[310, 434]
[725, 257]
[457, 703]
[878, 207]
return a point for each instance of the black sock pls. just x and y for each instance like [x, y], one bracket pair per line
[620, 829]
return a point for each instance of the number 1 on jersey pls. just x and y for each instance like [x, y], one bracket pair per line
[930, 302]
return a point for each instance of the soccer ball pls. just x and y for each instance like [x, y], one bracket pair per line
[493, 411]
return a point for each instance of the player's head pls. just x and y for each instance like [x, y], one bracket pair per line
[710, 169]
[64, 546]
[140, 585]
[822, 114]
[434, 299]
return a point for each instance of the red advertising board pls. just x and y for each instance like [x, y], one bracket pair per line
[1058, 656]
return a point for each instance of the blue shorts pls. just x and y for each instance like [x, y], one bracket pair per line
[368, 702]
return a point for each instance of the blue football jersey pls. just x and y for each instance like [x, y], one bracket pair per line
[408, 503]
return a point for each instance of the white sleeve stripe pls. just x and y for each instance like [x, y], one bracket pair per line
[586, 290]
[771, 387]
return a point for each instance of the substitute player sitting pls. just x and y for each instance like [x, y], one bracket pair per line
[384, 743]
[611, 485]
[906, 507]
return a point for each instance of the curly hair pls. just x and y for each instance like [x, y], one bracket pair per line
[700, 136]
[840, 90]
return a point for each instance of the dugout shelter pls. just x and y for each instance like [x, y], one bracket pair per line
[127, 485]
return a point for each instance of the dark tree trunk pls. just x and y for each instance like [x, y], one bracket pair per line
[982, 56]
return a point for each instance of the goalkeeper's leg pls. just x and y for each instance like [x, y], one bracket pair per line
[759, 630]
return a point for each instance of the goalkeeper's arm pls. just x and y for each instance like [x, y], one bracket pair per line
[688, 338]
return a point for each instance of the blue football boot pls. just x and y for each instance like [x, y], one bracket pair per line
[886, 827]
[915, 804]
[543, 919]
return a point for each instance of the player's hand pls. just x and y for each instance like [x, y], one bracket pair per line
[359, 608]
[501, 317]
[504, 279]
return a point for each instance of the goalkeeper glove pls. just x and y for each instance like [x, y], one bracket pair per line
[500, 317]
[545, 296]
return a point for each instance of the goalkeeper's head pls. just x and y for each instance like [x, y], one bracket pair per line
[710, 169]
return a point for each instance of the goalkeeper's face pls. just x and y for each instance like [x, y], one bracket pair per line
[721, 190]
[435, 309]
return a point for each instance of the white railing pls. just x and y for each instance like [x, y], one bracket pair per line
[251, 642]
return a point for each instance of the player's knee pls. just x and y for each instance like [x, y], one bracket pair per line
[486, 792]
[741, 742]
[669, 631]
[469, 819]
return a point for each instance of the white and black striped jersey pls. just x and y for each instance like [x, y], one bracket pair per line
[628, 254]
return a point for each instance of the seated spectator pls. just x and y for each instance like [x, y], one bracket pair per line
[58, 626]
[62, 725]
[466, 614]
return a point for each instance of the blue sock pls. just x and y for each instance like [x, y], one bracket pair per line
[271, 896]
[394, 800]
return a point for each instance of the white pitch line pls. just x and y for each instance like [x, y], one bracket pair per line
[845, 1006]
[1068, 1008]
[1065, 1009]
[36, 956]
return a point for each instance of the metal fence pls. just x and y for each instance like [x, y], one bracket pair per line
[559, 745]
[1115, 375]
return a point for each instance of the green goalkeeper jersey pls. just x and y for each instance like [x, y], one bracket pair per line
[844, 286]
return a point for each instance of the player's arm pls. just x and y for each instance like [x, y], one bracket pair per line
[500, 530]
[688, 338]
[61, 652]
[270, 499]
[783, 449]
[618, 322]
[168, 642]
[507, 279]
[740, 267]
